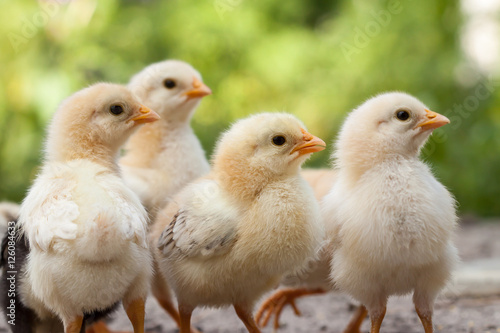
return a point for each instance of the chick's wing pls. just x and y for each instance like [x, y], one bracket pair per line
[128, 214]
[205, 224]
[49, 212]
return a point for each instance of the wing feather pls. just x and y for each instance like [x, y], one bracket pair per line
[201, 228]
[49, 212]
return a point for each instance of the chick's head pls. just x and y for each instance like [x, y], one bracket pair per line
[95, 122]
[388, 124]
[269, 143]
[172, 88]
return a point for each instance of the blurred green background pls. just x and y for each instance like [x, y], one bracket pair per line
[314, 58]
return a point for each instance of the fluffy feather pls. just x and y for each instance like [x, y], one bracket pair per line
[84, 225]
[164, 156]
[392, 222]
[228, 238]
[207, 230]
[112, 212]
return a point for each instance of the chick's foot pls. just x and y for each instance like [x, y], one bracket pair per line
[276, 303]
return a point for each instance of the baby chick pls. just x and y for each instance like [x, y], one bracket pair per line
[163, 157]
[392, 221]
[86, 229]
[229, 237]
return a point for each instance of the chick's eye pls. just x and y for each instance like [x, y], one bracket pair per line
[279, 140]
[169, 83]
[402, 115]
[116, 109]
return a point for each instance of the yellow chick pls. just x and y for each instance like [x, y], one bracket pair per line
[86, 229]
[229, 237]
[162, 157]
[391, 221]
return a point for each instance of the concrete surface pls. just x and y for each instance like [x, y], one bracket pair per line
[472, 305]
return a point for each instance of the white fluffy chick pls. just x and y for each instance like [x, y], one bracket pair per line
[392, 221]
[164, 156]
[86, 229]
[229, 237]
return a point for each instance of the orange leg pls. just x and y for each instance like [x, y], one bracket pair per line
[377, 318]
[161, 291]
[426, 319]
[74, 326]
[246, 317]
[276, 303]
[136, 313]
[357, 319]
[185, 318]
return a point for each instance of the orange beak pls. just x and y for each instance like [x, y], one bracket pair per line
[146, 115]
[432, 120]
[199, 89]
[310, 144]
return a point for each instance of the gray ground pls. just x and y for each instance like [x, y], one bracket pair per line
[331, 312]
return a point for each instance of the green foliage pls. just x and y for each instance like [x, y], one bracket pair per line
[316, 59]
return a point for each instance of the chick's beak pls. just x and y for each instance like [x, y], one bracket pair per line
[145, 115]
[310, 144]
[432, 120]
[199, 89]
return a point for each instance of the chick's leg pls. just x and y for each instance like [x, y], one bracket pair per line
[424, 308]
[245, 314]
[426, 319]
[357, 319]
[377, 317]
[185, 312]
[74, 325]
[161, 291]
[136, 313]
[276, 303]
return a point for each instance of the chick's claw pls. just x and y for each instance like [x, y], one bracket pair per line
[276, 303]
